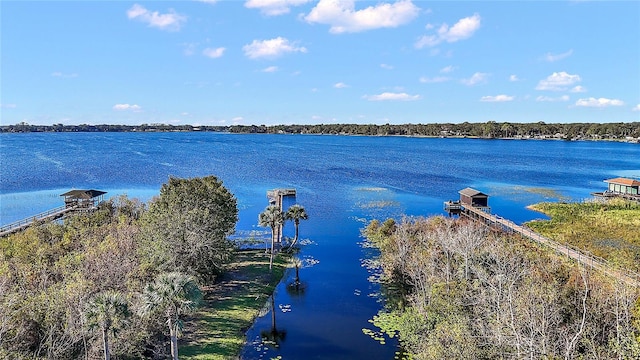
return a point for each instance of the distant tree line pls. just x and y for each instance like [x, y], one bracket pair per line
[490, 129]
[25, 128]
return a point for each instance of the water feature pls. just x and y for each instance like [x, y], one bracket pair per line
[342, 181]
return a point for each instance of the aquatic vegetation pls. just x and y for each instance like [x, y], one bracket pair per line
[379, 204]
[518, 192]
[606, 229]
[502, 297]
[372, 189]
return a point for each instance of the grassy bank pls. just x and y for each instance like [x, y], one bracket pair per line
[609, 229]
[230, 306]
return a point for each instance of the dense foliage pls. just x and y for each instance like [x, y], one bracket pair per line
[490, 129]
[186, 227]
[65, 288]
[457, 291]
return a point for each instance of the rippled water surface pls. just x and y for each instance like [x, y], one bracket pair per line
[342, 182]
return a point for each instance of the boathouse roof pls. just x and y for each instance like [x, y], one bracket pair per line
[624, 181]
[83, 194]
[470, 192]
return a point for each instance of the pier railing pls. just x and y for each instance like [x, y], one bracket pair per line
[47, 215]
[572, 252]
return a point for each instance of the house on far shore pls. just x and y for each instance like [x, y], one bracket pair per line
[622, 187]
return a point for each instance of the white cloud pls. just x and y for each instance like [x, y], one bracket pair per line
[170, 21]
[392, 96]
[475, 79]
[497, 98]
[63, 75]
[636, 108]
[209, 1]
[340, 85]
[514, 78]
[437, 79]
[273, 7]
[555, 57]
[213, 53]
[447, 69]
[558, 81]
[237, 120]
[552, 99]
[343, 17]
[270, 69]
[8, 106]
[122, 107]
[386, 66]
[272, 48]
[600, 103]
[578, 89]
[461, 30]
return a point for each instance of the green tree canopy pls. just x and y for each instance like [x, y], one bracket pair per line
[271, 217]
[188, 224]
[296, 213]
[172, 295]
[108, 311]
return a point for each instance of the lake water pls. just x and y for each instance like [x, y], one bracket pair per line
[342, 182]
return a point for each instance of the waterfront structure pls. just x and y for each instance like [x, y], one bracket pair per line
[74, 200]
[474, 198]
[469, 198]
[624, 186]
[473, 205]
[83, 198]
[621, 187]
[276, 197]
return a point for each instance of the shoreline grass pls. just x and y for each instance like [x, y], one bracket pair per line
[217, 330]
[605, 229]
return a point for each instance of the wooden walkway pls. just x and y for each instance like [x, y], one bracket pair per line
[48, 215]
[576, 254]
[275, 197]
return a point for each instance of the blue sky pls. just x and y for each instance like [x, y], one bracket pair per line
[312, 62]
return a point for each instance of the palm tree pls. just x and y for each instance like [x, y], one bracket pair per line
[296, 213]
[109, 311]
[174, 294]
[297, 263]
[271, 217]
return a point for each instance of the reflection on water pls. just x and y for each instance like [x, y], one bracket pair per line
[343, 182]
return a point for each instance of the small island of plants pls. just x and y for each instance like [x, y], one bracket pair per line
[608, 229]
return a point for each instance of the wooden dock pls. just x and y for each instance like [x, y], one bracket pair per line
[275, 197]
[609, 195]
[74, 201]
[48, 215]
[576, 254]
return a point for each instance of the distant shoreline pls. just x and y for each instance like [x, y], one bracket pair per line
[624, 132]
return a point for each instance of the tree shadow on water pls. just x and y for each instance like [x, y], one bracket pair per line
[296, 289]
[273, 337]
